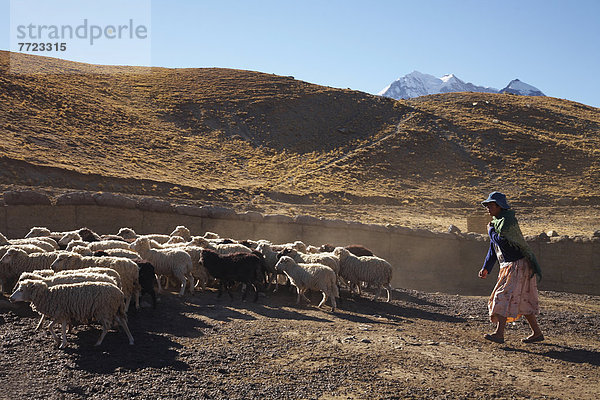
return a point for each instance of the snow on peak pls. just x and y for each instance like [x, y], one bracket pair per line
[418, 84]
[517, 87]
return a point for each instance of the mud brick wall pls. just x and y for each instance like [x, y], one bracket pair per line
[422, 260]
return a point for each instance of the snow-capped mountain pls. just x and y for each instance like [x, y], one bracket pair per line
[418, 84]
[517, 87]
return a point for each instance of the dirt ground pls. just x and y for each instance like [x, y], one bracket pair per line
[419, 345]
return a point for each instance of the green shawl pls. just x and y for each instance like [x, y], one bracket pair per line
[506, 225]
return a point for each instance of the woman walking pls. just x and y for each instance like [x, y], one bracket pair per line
[515, 293]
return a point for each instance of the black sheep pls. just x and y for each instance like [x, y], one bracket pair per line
[238, 267]
[147, 276]
[87, 235]
[357, 249]
[147, 280]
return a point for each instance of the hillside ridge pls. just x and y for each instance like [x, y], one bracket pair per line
[129, 129]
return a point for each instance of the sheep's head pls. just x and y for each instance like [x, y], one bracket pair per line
[284, 263]
[341, 253]
[38, 231]
[68, 238]
[63, 261]
[75, 243]
[175, 239]
[199, 241]
[288, 252]
[140, 245]
[211, 235]
[88, 235]
[24, 289]
[300, 246]
[11, 254]
[182, 231]
[127, 233]
[264, 248]
[327, 248]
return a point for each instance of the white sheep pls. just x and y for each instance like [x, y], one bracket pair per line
[127, 269]
[45, 232]
[92, 270]
[36, 241]
[76, 303]
[130, 234]
[170, 262]
[16, 261]
[182, 231]
[27, 248]
[52, 279]
[127, 233]
[68, 238]
[125, 253]
[47, 244]
[76, 243]
[297, 245]
[270, 261]
[329, 259]
[83, 250]
[178, 240]
[369, 269]
[108, 244]
[199, 273]
[211, 235]
[229, 248]
[38, 231]
[310, 277]
[313, 249]
[200, 241]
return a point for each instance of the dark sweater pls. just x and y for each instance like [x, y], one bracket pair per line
[511, 253]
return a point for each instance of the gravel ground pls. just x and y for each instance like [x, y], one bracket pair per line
[419, 345]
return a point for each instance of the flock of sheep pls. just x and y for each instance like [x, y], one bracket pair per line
[80, 277]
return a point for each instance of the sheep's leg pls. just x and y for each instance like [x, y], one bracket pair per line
[101, 338]
[64, 335]
[123, 323]
[298, 297]
[51, 329]
[388, 288]
[379, 292]
[158, 281]
[304, 297]
[183, 281]
[153, 295]
[228, 286]
[220, 292]
[322, 300]
[137, 295]
[42, 319]
[333, 303]
[255, 292]
[192, 282]
[127, 301]
[182, 287]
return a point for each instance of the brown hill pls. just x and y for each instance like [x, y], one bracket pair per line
[246, 137]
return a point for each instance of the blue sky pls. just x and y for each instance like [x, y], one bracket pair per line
[365, 45]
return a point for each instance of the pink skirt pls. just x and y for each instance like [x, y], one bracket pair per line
[515, 293]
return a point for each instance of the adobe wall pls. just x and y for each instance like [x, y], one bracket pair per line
[421, 259]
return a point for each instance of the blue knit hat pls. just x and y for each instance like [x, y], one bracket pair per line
[498, 198]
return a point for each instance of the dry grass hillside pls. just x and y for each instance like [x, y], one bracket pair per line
[273, 143]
